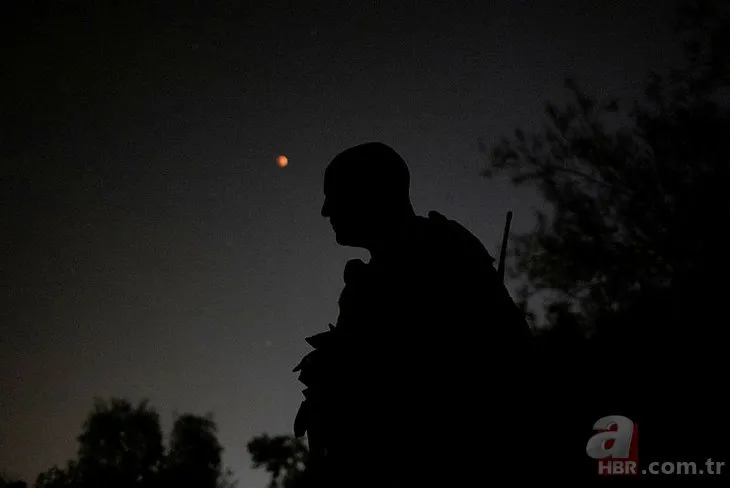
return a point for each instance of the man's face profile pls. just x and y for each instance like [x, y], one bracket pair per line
[366, 189]
[349, 214]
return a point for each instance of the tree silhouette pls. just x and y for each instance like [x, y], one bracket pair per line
[121, 446]
[632, 192]
[624, 265]
[284, 457]
[194, 457]
[56, 477]
[10, 481]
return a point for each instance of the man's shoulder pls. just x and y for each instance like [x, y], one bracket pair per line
[448, 238]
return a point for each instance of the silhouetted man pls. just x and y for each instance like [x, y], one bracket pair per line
[421, 382]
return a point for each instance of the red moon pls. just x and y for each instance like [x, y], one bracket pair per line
[282, 161]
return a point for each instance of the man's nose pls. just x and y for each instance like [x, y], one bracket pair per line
[325, 208]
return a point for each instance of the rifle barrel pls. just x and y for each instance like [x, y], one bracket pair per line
[503, 251]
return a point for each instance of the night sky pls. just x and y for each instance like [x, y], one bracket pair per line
[150, 245]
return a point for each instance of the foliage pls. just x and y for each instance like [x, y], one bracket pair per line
[10, 481]
[121, 446]
[633, 188]
[195, 453]
[283, 457]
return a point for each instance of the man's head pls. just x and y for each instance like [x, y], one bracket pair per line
[367, 194]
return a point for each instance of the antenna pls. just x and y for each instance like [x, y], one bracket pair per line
[503, 251]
